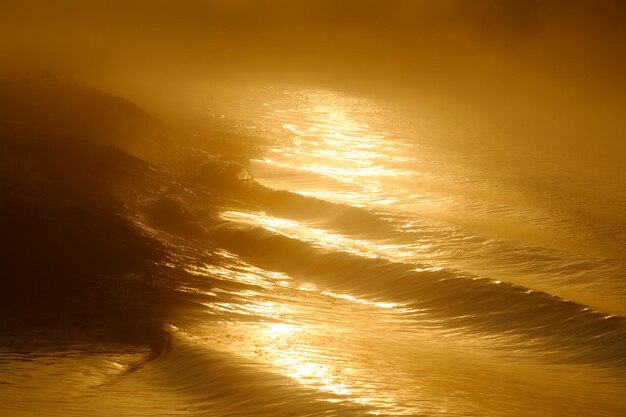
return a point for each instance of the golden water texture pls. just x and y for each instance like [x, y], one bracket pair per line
[289, 342]
[391, 356]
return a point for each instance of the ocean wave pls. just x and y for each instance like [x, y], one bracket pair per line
[521, 317]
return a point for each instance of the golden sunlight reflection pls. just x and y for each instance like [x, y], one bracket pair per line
[331, 138]
[325, 239]
[360, 300]
[313, 348]
[239, 271]
[301, 367]
[303, 331]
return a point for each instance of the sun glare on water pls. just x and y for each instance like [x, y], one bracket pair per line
[331, 138]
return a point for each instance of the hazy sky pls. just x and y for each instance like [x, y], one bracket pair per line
[359, 41]
[554, 63]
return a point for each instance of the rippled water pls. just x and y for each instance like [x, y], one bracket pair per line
[441, 205]
[379, 271]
